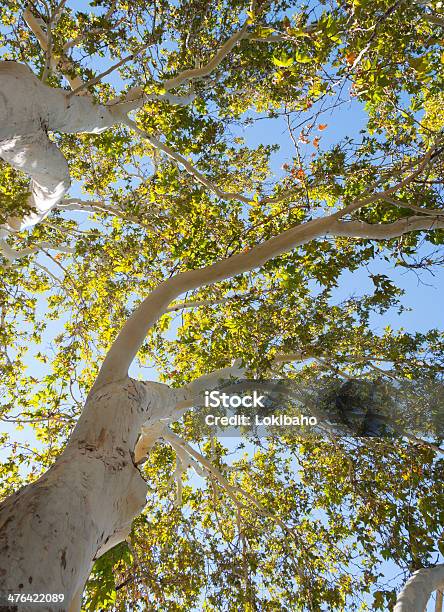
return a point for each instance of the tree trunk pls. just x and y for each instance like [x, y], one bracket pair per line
[439, 601]
[52, 530]
[28, 111]
[418, 589]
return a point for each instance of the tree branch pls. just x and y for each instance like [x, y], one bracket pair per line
[198, 303]
[420, 164]
[64, 62]
[133, 333]
[136, 96]
[288, 357]
[78, 205]
[434, 212]
[193, 391]
[418, 589]
[435, 19]
[11, 254]
[203, 71]
[78, 39]
[385, 231]
[232, 490]
[223, 195]
[439, 601]
[184, 398]
[111, 69]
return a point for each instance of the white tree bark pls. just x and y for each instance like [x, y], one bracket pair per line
[418, 589]
[52, 530]
[132, 335]
[28, 111]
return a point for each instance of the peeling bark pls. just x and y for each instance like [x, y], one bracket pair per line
[52, 530]
[28, 111]
[38, 157]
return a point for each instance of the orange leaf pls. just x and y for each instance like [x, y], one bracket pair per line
[299, 174]
[350, 58]
[316, 142]
[322, 126]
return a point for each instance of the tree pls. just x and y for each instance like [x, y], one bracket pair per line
[172, 85]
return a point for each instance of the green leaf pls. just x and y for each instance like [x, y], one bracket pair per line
[303, 59]
[283, 61]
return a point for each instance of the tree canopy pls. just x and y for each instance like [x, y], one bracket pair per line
[183, 179]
